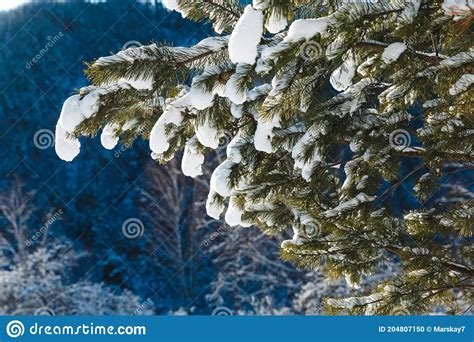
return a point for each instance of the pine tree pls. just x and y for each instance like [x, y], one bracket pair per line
[334, 109]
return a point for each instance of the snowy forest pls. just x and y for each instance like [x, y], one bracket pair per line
[225, 157]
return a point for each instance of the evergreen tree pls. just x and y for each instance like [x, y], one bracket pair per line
[334, 108]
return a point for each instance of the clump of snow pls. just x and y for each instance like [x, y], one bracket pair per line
[172, 5]
[233, 149]
[214, 43]
[139, 83]
[392, 52]
[341, 78]
[71, 114]
[220, 178]
[200, 98]
[208, 135]
[192, 161]
[308, 28]
[264, 134]
[236, 110]
[246, 36]
[89, 105]
[233, 215]
[348, 205]
[276, 22]
[299, 29]
[172, 115]
[213, 208]
[108, 139]
[67, 148]
[232, 90]
[461, 85]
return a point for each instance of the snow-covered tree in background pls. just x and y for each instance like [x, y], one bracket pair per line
[36, 279]
[333, 107]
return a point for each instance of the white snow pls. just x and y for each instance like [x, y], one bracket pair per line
[348, 205]
[200, 98]
[192, 161]
[107, 138]
[236, 110]
[172, 5]
[139, 83]
[213, 208]
[341, 78]
[71, 114]
[172, 115]
[308, 28]
[89, 105]
[246, 36]
[392, 52]
[299, 29]
[276, 22]
[461, 85]
[233, 215]
[67, 148]
[264, 134]
[232, 91]
[410, 11]
[208, 135]
[220, 178]
[233, 149]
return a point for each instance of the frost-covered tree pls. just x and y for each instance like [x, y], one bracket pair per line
[250, 277]
[334, 108]
[36, 278]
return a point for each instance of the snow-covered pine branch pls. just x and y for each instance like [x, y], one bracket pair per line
[322, 102]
